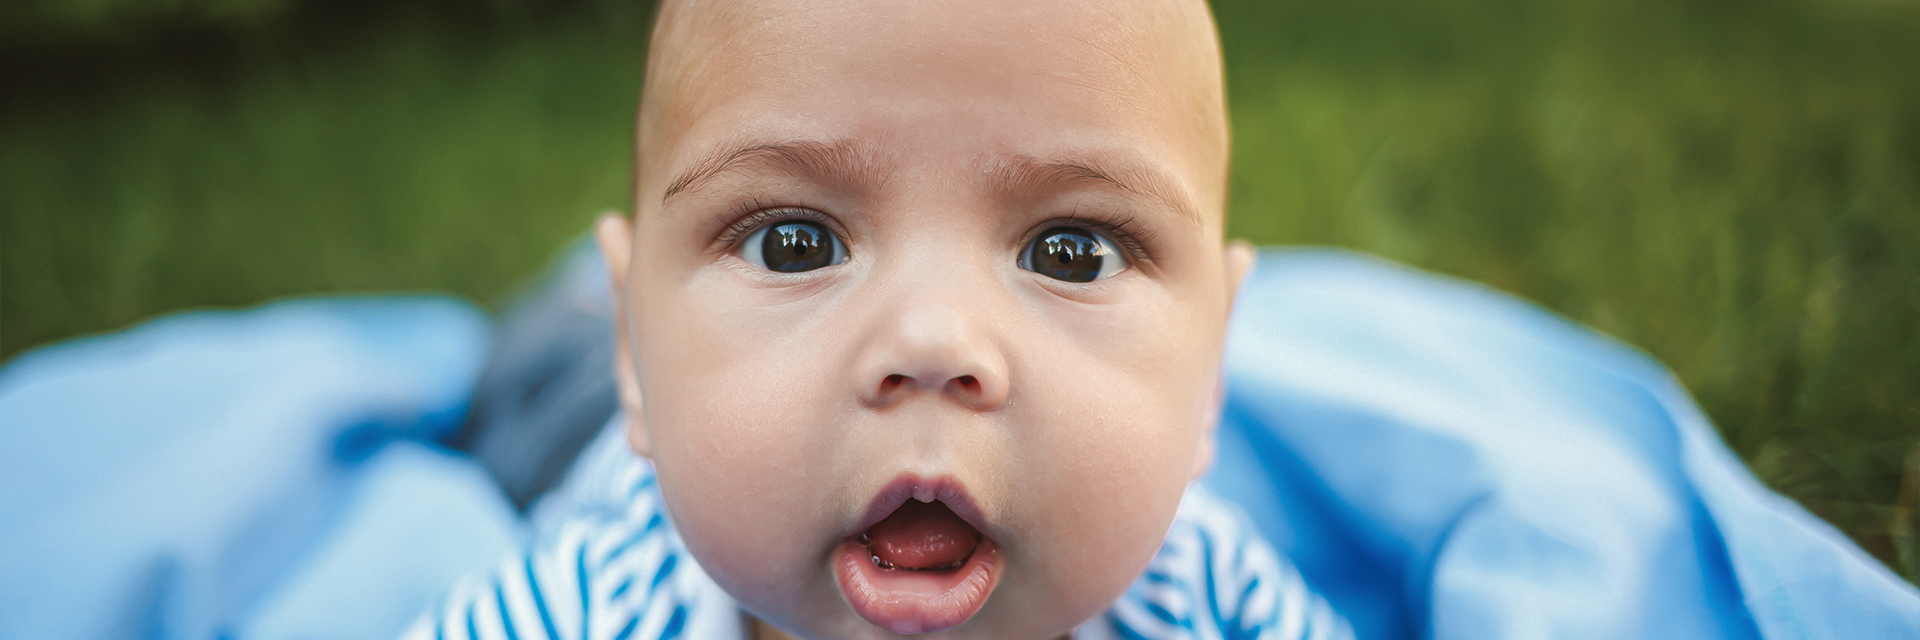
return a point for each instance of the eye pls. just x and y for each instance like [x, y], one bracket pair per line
[1071, 254]
[793, 246]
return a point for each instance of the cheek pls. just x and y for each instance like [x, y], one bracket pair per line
[1102, 499]
[1111, 429]
[733, 409]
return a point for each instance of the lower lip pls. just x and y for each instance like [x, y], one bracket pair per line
[909, 601]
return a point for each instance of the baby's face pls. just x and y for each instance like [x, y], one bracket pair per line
[923, 303]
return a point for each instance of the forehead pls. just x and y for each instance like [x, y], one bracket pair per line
[1102, 43]
[1029, 79]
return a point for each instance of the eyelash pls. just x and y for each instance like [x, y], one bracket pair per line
[750, 216]
[1118, 227]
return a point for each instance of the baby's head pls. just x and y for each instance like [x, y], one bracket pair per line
[922, 303]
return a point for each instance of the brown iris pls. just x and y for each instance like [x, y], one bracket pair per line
[1070, 255]
[796, 246]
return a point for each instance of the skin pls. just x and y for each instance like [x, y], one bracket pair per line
[936, 139]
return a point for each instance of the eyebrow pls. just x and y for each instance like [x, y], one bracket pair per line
[845, 159]
[1026, 173]
[835, 159]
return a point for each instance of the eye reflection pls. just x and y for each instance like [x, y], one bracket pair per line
[792, 247]
[1073, 255]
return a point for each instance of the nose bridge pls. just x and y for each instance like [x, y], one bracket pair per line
[935, 333]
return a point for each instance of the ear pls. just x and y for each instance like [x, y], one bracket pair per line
[1239, 257]
[614, 233]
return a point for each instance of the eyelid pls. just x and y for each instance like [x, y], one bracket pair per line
[754, 216]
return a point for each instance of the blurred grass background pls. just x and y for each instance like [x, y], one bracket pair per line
[1731, 185]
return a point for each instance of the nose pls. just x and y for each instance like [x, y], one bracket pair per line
[932, 346]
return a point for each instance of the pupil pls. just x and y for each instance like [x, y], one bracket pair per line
[797, 246]
[1069, 255]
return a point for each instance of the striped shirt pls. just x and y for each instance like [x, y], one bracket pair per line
[606, 564]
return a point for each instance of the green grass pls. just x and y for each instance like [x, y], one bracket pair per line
[407, 155]
[1733, 187]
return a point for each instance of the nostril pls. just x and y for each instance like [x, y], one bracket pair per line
[969, 388]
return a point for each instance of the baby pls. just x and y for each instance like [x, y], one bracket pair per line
[921, 316]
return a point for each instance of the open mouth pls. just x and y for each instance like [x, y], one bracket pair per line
[923, 564]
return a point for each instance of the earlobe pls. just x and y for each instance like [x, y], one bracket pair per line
[1239, 257]
[1203, 457]
[614, 234]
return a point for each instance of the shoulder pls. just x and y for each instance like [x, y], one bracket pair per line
[606, 565]
[1215, 577]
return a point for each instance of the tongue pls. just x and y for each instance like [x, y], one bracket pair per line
[922, 535]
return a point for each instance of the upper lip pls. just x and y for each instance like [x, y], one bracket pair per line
[946, 489]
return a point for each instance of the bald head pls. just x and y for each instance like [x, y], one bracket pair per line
[1153, 63]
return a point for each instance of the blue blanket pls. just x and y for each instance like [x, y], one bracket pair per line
[1442, 461]
[243, 474]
